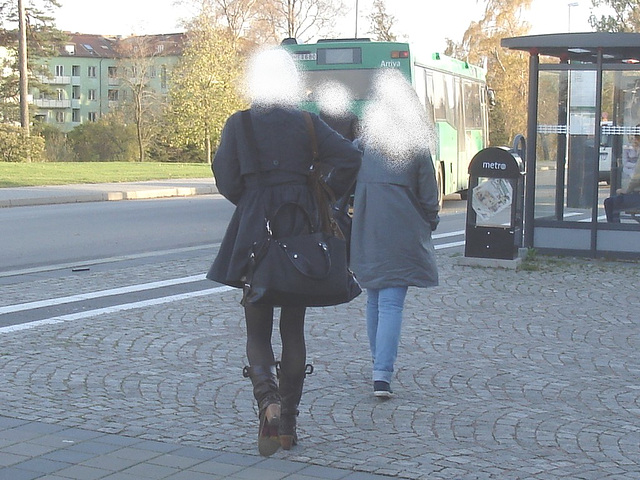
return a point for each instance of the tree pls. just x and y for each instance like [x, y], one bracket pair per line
[107, 140]
[255, 22]
[381, 23]
[136, 69]
[203, 88]
[507, 70]
[238, 15]
[623, 16]
[17, 146]
[301, 19]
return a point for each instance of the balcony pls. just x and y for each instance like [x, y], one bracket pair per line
[57, 80]
[46, 103]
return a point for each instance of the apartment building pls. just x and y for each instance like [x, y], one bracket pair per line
[93, 75]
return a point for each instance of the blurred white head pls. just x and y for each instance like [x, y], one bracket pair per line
[334, 99]
[394, 121]
[272, 79]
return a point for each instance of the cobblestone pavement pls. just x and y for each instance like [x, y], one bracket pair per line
[529, 374]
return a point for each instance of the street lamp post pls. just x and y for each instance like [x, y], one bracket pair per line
[569, 5]
[356, 36]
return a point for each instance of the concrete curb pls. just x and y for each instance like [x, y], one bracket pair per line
[51, 196]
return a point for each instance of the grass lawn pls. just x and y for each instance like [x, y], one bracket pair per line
[64, 173]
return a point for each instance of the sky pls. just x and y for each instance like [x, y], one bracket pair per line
[419, 20]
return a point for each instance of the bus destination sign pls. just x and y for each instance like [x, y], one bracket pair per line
[305, 56]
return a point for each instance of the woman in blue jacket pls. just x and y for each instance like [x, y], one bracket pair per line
[395, 211]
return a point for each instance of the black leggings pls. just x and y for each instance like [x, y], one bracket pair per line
[260, 328]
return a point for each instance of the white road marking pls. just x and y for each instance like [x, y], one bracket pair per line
[113, 309]
[449, 245]
[137, 288]
[99, 294]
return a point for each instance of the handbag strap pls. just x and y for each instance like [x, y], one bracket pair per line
[312, 132]
[273, 217]
[324, 195]
[247, 123]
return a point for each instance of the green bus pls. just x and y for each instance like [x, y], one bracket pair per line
[454, 94]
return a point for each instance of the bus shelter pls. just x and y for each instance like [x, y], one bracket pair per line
[583, 114]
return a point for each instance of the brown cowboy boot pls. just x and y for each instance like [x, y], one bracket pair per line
[265, 391]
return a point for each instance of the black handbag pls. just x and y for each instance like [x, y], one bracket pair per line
[309, 269]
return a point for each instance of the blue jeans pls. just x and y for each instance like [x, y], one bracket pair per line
[384, 321]
[618, 203]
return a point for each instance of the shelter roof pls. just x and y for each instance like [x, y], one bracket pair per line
[580, 47]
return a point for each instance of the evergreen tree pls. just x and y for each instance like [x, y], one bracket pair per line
[43, 40]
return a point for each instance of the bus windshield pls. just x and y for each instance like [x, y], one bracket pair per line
[358, 82]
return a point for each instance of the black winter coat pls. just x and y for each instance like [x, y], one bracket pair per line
[279, 174]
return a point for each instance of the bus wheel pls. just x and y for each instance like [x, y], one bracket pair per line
[440, 186]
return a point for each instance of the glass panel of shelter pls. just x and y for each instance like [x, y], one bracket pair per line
[620, 144]
[565, 157]
[551, 145]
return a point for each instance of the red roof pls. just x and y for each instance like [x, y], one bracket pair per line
[101, 46]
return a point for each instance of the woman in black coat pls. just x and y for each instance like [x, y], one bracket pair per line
[258, 177]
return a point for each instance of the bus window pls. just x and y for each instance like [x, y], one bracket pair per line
[358, 82]
[453, 101]
[429, 105]
[472, 105]
[439, 98]
[420, 85]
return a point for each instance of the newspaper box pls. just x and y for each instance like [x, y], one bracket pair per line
[494, 204]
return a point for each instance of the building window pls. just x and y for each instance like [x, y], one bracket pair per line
[60, 94]
[91, 72]
[75, 115]
[75, 71]
[163, 76]
[113, 72]
[92, 94]
[113, 95]
[60, 117]
[75, 92]
[59, 70]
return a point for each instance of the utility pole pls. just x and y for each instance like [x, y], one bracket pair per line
[22, 65]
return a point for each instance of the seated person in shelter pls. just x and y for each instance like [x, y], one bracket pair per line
[629, 197]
